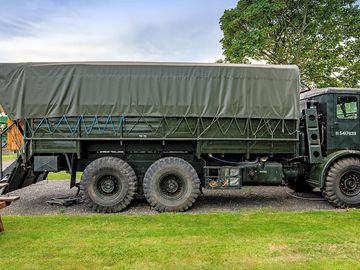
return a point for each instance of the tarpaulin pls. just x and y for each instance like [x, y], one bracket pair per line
[33, 90]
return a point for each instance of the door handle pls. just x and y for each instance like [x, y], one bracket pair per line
[332, 130]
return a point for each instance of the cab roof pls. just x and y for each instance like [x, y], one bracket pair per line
[329, 90]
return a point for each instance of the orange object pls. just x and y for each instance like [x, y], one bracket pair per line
[14, 138]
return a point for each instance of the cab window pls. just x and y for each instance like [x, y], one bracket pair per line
[346, 107]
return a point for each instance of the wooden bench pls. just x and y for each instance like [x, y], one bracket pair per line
[4, 202]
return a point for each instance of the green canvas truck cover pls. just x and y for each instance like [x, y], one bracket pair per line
[34, 90]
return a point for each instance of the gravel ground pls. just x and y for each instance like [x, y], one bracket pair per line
[33, 200]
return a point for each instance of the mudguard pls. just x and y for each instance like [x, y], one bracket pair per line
[318, 171]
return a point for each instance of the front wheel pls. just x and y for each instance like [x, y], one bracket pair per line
[171, 184]
[342, 186]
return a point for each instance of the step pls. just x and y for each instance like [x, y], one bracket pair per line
[2, 185]
[5, 179]
[9, 198]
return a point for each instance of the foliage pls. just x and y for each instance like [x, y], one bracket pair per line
[262, 239]
[320, 36]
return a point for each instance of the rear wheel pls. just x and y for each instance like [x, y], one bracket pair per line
[342, 186]
[108, 185]
[171, 184]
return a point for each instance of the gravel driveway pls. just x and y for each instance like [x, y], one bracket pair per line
[33, 200]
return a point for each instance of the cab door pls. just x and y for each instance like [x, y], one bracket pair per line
[344, 129]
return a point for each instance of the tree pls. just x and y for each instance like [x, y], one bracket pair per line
[320, 36]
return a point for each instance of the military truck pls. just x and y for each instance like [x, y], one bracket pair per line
[168, 130]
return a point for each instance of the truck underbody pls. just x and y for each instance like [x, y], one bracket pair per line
[225, 153]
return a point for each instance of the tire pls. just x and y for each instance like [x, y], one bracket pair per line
[108, 185]
[323, 193]
[342, 185]
[171, 185]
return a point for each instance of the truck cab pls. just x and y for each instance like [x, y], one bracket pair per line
[338, 115]
[337, 172]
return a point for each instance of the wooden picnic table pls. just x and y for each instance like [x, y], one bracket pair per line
[4, 202]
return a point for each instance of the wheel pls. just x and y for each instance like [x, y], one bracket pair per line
[171, 184]
[299, 185]
[108, 185]
[342, 185]
[323, 193]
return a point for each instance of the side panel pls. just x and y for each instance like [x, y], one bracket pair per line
[142, 140]
[210, 135]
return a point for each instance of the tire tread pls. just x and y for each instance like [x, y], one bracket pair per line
[330, 182]
[106, 162]
[161, 163]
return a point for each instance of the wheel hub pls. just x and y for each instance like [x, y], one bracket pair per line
[107, 185]
[350, 184]
[171, 185]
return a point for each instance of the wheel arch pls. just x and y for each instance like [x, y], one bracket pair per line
[319, 171]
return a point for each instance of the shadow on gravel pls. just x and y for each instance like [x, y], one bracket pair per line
[33, 200]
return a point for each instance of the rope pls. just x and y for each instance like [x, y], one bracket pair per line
[250, 128]
[88, 123]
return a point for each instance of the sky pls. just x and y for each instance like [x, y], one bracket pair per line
[111, 30]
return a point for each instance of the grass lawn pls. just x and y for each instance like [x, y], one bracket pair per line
[9, 156]
[62, 176]
[256, 239]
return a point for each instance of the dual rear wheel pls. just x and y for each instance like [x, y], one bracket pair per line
[109, 184]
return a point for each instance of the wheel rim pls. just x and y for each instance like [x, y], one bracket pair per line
[171, 186]
[107, 186]
[350, 183]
